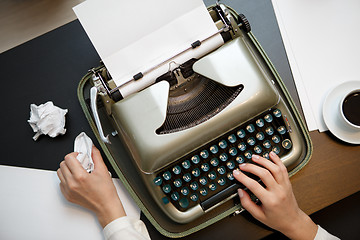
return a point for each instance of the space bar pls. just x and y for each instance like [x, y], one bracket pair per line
[220, 196]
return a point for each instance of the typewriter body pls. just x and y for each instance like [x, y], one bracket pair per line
[193, 126]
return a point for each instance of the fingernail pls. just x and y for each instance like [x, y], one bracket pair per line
[272, 154]
[242, 165]
[255, 157]
[236, 172]
[240, 192]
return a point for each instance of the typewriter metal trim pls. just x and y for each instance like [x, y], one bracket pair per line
[190, 228]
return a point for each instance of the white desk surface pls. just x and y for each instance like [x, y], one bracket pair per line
[33, 207]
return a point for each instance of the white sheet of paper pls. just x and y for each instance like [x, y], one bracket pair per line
[33, 207]
[322, 42]
[134, 36]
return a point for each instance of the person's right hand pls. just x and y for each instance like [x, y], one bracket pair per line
[279, 209]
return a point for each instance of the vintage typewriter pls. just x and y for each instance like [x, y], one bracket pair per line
[193, 126]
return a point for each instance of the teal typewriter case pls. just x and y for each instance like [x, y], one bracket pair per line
[259, 108]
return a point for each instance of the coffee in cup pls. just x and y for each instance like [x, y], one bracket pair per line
[350, 108]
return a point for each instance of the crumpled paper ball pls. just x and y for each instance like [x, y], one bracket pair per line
[83, 146]
[47, 119]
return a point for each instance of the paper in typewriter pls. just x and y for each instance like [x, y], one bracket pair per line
[133, 36]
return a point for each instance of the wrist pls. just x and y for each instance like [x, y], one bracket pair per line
[302, 228]
[110, 212]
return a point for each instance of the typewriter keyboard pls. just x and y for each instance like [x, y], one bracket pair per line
[205, 175]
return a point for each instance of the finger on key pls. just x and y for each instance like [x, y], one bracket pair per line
[264, 174]
[250, 183]
[282, 168]
[274, 169]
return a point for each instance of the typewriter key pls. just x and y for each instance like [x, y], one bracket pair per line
[158, 181]
[230, 164]
[166, 188]
[223, 157]
[212, 186]
[240, 159]
[195, 172]
[222, 144]
[269, 131]
[276, 149]
[230, 176]
[194, 197]
[212, 175]
[242, 146]
[204, 154]
[257, 149]
[281, 130]
[214, 149]
[232, 138]
[175, 196]
[251, 141]
[232, 151]
[214, 162]
[221, 170]
[221, 181]
[267, 144]
[266, 155]
[203, 180]
[241, 133]
[184, 191]
[250, 128]
[268, 118]
[195, 159]
[186, 164]
[167, 175]
[248, 154]
[260, 122]
[184, 202]
[286, 144]
[187, 177]
[275, 139]
[203, 191]
[194, 186]
[205, 167]
[176, 169]
[277, 113]
[260, 136]
[177, 182]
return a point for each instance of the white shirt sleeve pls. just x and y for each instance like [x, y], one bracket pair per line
[126, 228]
[131, 228]
[322, 234]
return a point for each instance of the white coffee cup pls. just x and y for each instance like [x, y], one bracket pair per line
[350, 109]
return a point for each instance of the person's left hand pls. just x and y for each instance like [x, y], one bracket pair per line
[94, 191]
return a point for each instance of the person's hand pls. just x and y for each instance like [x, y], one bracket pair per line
[279, 209]
[94, 191]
